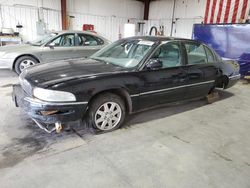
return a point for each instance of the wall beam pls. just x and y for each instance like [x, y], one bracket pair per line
[146, 9]
[64, 14]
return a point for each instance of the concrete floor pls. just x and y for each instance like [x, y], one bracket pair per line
[186, 145]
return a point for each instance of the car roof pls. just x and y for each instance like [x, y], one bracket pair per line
[83, 32]
[160, 38]
[74, 31]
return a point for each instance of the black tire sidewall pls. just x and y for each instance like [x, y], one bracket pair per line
[95, 105]
[20, 59]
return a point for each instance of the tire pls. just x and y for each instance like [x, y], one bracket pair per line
[106, 113]
[23, 63]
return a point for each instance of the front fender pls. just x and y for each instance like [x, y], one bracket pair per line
[229, 68]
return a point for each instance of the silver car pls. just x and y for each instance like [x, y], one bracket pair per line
[54, 46]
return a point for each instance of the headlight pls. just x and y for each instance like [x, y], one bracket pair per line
[53, 96]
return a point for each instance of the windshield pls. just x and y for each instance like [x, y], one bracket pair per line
[124, 53]
[44, 39]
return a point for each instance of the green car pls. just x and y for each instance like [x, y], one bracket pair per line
[52, 47]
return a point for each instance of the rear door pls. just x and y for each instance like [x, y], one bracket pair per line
[201, 69]
[87, 45]
[166, 84]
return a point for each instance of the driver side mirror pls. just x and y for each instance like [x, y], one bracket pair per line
[154, 64]
[51, 45]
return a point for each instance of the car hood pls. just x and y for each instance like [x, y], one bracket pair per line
[48, 74]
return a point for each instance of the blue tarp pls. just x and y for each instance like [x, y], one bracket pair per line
[230, 41]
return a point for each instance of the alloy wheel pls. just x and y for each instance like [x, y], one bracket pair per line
[108, 116]
[25, 64]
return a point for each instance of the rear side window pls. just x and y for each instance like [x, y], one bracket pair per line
[89, 40]
[196, 53]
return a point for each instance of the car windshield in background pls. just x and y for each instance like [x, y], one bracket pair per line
[43, 39]
[125, 54]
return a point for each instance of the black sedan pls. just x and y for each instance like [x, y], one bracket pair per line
[125, 77]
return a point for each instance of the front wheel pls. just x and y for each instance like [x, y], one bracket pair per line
[23, 63]
[107, 113]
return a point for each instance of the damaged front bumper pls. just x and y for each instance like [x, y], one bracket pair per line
[46, 113]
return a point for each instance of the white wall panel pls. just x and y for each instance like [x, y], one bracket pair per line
[52, 19]
[108, 16]
[27, 17]
[187, 12]
[160, 9]
[119, 8]
[107, 26]
[11, 16]
[52, 4]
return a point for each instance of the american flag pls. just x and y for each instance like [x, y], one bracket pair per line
[226, 11]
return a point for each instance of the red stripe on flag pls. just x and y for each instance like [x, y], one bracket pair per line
[220, 11]
[236, 6]
[244, 9]
[207, 11]
[227, 11]
[213, 11]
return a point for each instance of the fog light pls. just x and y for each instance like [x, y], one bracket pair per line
[50, 112]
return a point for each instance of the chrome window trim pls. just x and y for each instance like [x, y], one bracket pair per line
[35, 101]
[172, 88]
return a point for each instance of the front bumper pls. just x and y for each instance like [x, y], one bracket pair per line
[36, 109]
[233, 80]
[6, 63]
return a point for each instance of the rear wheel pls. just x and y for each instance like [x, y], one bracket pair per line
[107, 113]
[24, 62]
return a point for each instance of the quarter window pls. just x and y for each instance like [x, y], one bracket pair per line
[210, 56]
[196, 53]
[169, 54]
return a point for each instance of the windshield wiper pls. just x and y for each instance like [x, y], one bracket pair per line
[106, 62]
[99, 60]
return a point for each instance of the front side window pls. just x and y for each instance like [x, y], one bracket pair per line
[43, 40]
[169, 54]
[124, 53]
[196, 53]
[66, 40]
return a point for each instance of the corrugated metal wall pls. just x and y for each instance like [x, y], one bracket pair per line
[108, 26]
[52, 19]
[27, 17]
[187, 13]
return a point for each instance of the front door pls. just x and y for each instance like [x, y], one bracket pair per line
[166, 84]
[63, 48]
